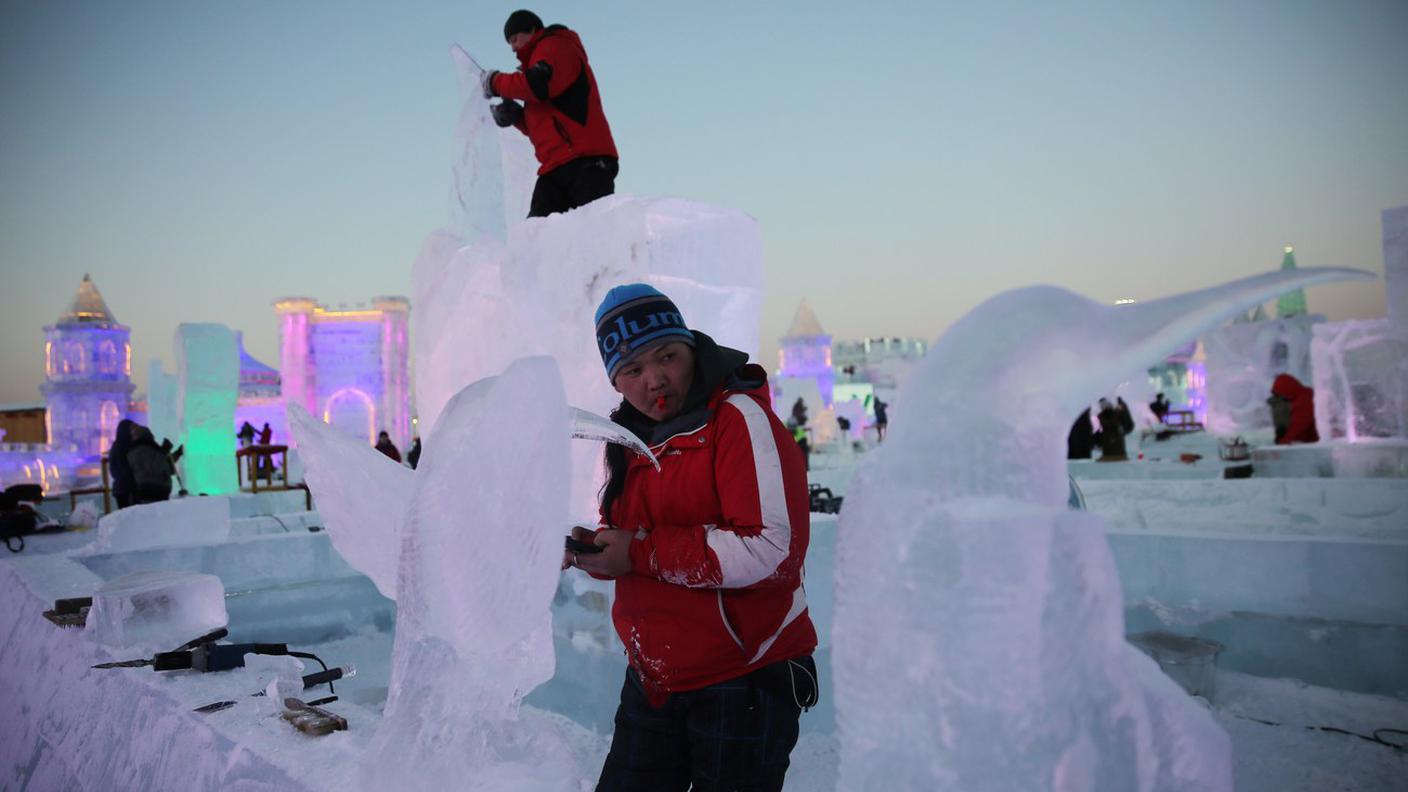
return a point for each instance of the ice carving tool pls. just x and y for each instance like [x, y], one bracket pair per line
[312, 720]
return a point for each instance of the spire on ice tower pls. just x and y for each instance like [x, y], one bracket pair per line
[1292, 303]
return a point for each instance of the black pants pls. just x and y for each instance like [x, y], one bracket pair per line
[574, 184]
[734, 736]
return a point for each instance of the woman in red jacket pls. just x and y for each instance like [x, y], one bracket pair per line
[707, 556]
[1292, 411]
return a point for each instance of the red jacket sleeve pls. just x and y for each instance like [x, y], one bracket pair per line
[560, 56]
[761, 528]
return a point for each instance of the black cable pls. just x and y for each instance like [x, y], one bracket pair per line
[1374, 738]
[311, 656]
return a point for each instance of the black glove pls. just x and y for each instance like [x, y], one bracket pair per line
[487, 82]
[506, 113]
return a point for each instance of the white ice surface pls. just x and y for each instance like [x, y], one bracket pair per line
[1395, 232]
[148, 612]
[161, 403]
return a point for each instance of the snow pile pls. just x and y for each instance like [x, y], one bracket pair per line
[172, 523]
[478, 569]
[966, 589]
[496, 288]
[208, 373]
[1361, 380]
[1242, 361]
[156, 611]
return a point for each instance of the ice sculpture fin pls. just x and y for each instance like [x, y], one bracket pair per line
[590, 426]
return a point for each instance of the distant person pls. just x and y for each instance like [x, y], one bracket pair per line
[1159, 407]
[882, 419]
[1080, 442]
[1292, 411]
[266, 435]
[119, 472]
[1115, 423]
[799, 412]
[561, 114]
[799, 434]
[385, 446]
[413, 456]
[246, 434]
[151, 466]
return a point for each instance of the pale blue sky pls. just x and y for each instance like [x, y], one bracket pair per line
[905, 160]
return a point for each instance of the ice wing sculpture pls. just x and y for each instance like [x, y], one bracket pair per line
[979, 632]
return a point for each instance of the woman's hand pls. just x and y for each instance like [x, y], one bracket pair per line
[581, 534]
[615, 560]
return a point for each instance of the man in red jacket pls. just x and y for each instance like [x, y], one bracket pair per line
[707, 555]
[1292, 411]
[561, 114]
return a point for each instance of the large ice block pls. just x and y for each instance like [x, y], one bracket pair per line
[208, 374]
[156, 611]
[1361, 379]
[979, 633]
[1243, 360]
[172, 523]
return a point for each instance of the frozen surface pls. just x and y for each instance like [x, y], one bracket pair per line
[966, 589]
[362, 495]
[478, 570]
[208, 374]
[1242, 361]
[156, 611]
[183, 521]
[1361, 380]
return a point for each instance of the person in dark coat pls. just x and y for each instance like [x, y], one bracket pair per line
[266, 435]
[1159, 407]
[151, 467]
[413, 456]
[385, 446]
[799, 412]
[1115, 423]
[1293, 411]
[561, 114]
[246, 434]
[120, 474]
[1081, 440]
[882, 419]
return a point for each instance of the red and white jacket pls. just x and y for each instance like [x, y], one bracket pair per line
[715, 589]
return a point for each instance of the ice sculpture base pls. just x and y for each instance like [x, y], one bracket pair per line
[1386, 459]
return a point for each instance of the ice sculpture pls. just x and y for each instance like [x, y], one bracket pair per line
[979, 633]
[363, 496]
[208, 373]
[1361, 380]
[1243, 360]
[478, 568]
[1395, 231]
[172, 523]
[484, 298]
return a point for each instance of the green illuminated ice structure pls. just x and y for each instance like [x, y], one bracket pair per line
[1292, 303]
[208, 380]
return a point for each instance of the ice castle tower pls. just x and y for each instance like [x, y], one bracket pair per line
[87, 374]
[805, 352]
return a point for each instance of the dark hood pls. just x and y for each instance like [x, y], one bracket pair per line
[714, 365]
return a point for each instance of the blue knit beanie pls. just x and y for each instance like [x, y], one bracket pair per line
[633, 318]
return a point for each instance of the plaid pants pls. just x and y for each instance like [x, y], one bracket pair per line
[735, 736]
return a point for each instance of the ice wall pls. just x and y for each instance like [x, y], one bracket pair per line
[1361, 380]
[484, 298]
[161, 403]
[479, 565]
[1243, 360]
[968, 593]
[208, 380]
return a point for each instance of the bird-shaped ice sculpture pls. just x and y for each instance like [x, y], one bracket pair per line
[475, 549]
[979, 634]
